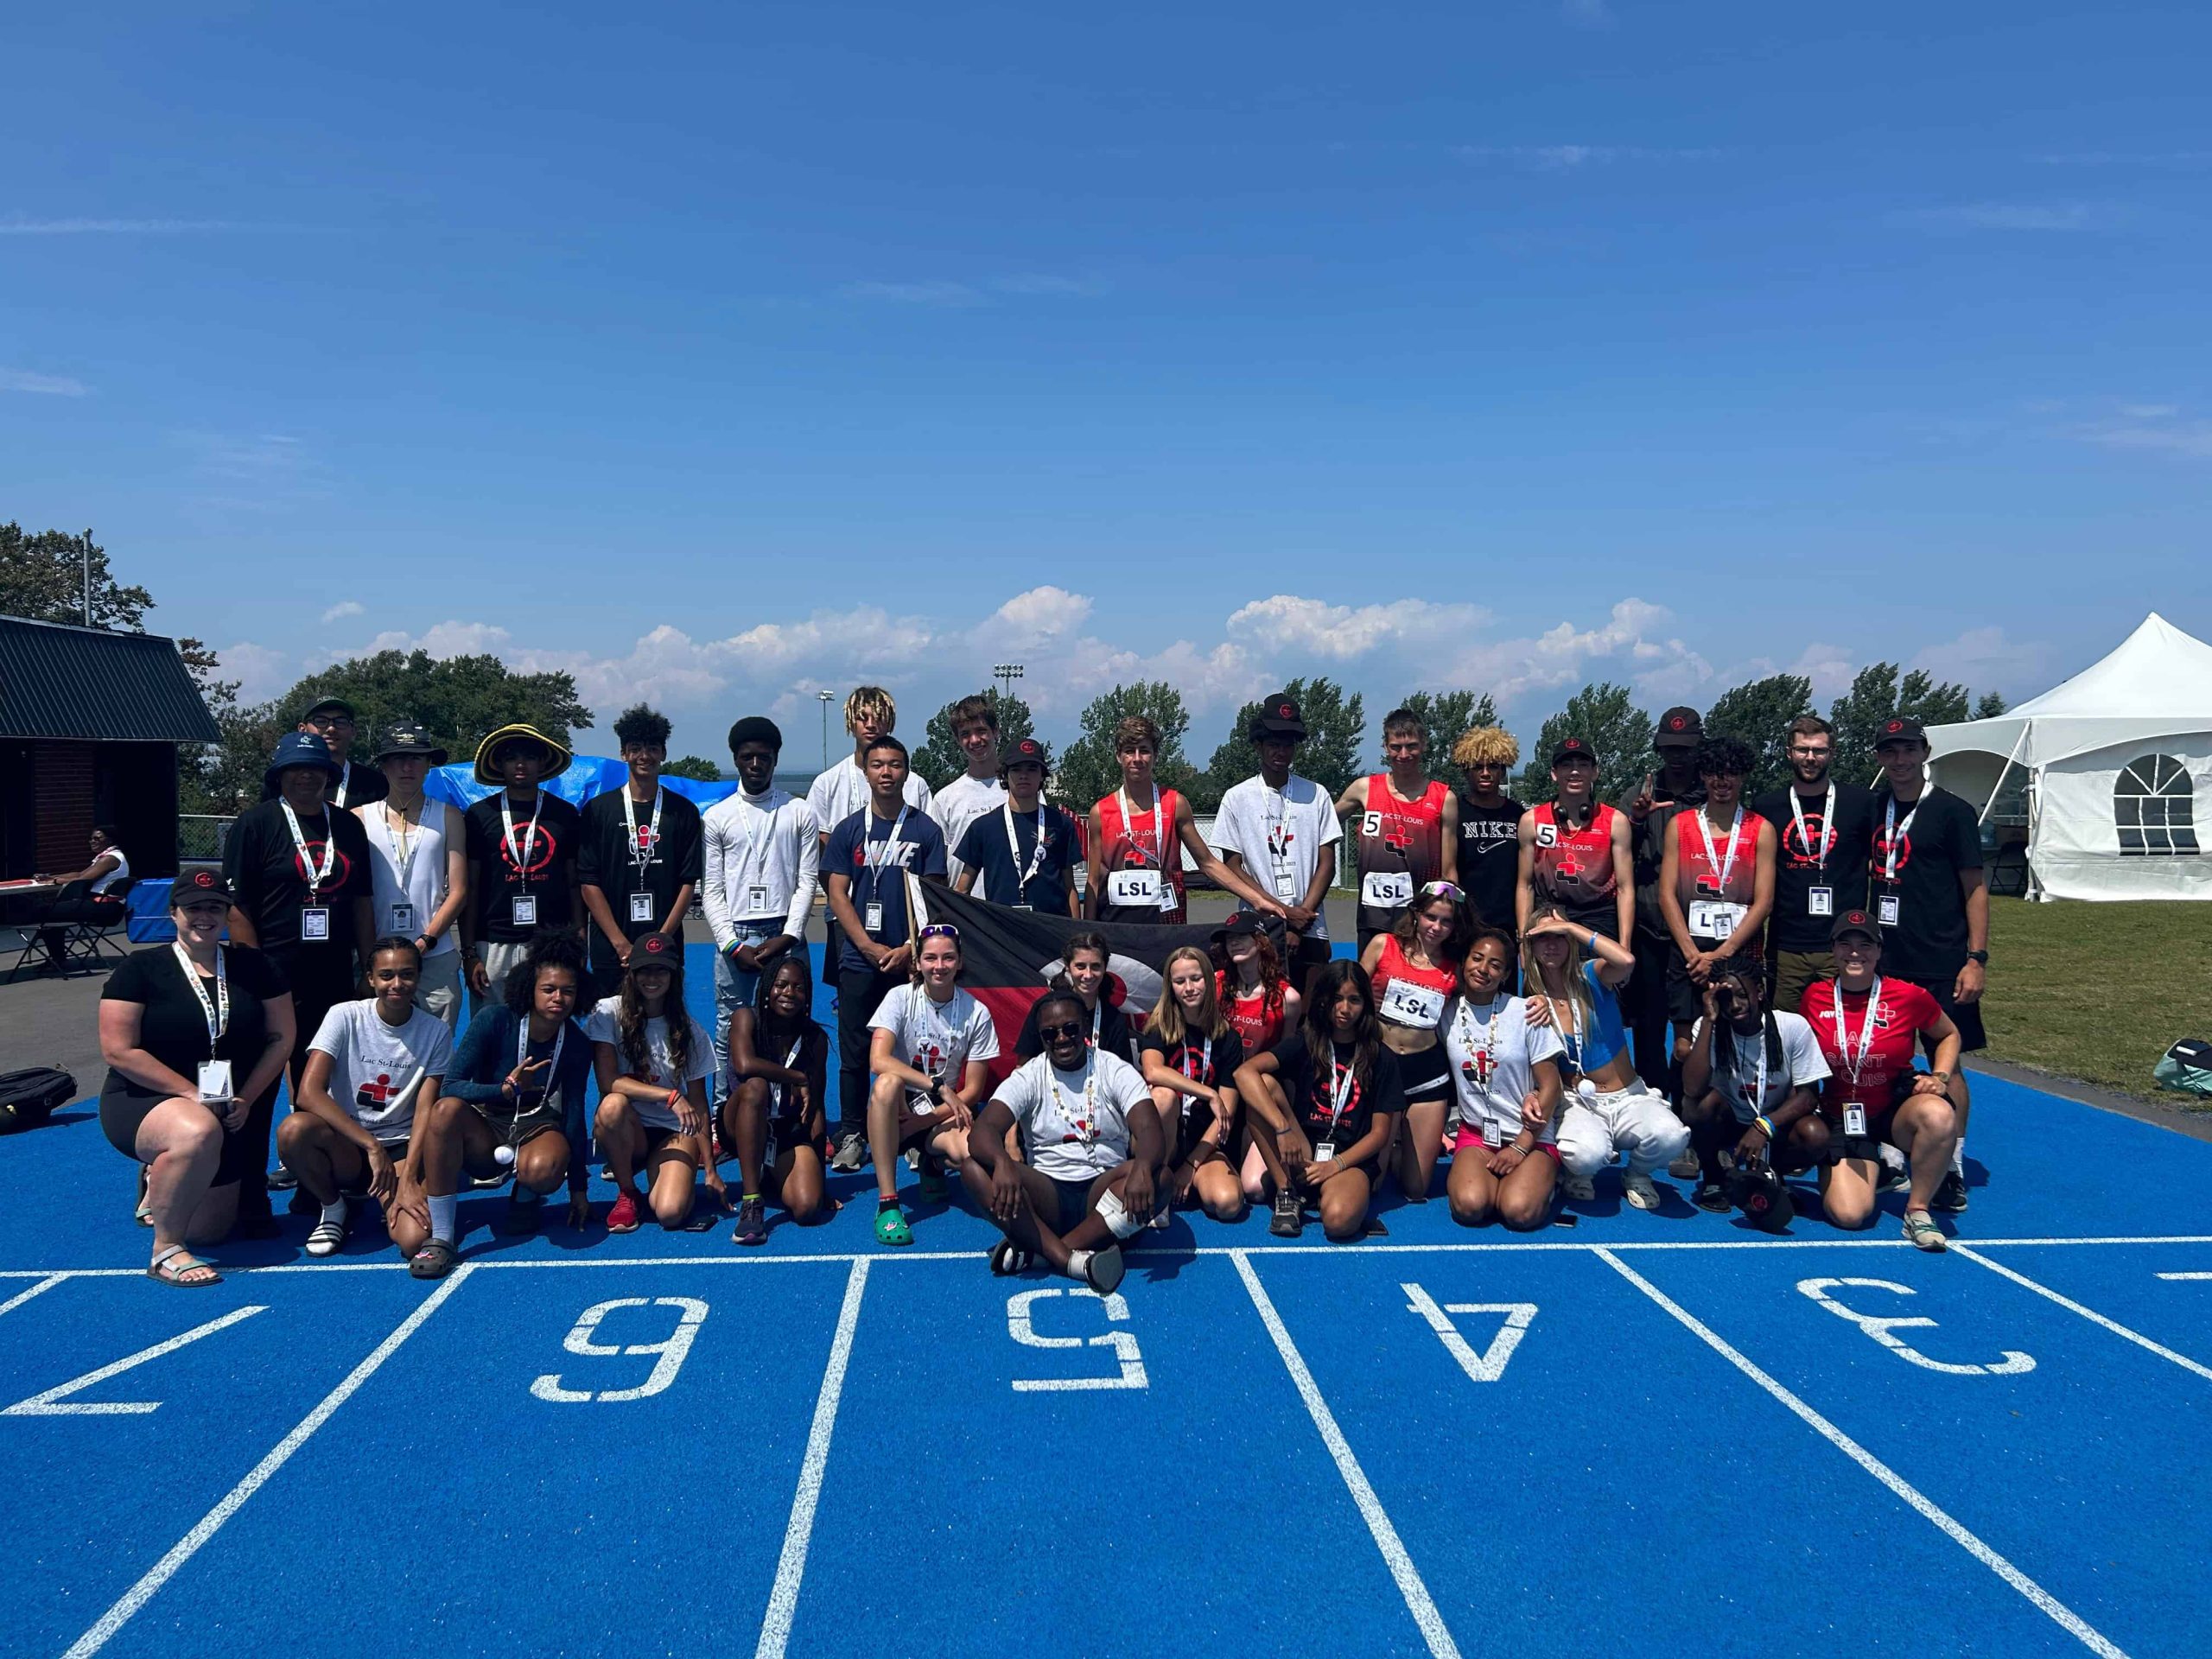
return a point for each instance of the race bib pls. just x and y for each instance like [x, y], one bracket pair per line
[1714, 918]
[1386, 889]
[1547, 834]
[1407, 1004]
[1133, 887]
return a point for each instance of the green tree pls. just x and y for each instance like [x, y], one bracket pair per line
[1989, 705]
[1877, 692]
[694, 767]
[1760, 713]
[940, 758]
[42, 577]
[1330, 755]
[1088, 769]
[1446, 717]
[1604, 717]
[459, 699]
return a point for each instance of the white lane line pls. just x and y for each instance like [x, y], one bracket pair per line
[2088, 1314]
[791, 1565]
[2177, 1278]
[212, 1522]
[49, 1401]
[2044, 1602]
[41, 1287]
[1418, 1602]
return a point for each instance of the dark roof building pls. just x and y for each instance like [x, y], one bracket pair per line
[90, 722]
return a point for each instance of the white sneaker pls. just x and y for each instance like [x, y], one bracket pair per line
[1580, 1188]
[1638, 1188]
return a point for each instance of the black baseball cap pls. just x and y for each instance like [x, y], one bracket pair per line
[1249, 924]
[1679, 728]
[407, 737]
[655, 950]
[331, 706]
[1278, 717]
[197, 886]
[1027, 752]
[1572, 748]
[1900, 729]
[1855, 921]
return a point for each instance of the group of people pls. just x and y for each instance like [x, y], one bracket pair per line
[1731, 991]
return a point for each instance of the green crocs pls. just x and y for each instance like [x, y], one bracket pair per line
[891, 1228]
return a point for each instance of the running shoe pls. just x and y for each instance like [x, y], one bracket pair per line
[1580, 1188]
[1290, 1218]
[851, 1154]
[752, 1222]
[1638, 1188]
[1711, 1195]
[623, 1218]
[1950, 1194]
[1102, 1273]
[1921, 1232]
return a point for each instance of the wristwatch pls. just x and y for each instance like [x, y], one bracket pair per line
[1979, 956]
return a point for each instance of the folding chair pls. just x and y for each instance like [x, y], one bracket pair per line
[88, 942]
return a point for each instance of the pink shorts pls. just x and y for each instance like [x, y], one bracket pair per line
[1473, 1138]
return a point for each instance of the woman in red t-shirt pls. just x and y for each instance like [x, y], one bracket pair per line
[1868, 1028]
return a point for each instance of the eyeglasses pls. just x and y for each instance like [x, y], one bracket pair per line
[1061, 1033]
[939, 930]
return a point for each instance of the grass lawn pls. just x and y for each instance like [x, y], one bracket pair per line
[2098, 992]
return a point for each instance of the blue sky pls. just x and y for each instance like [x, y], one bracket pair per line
[725, 354]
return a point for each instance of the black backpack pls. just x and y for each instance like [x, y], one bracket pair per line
[28, 1097]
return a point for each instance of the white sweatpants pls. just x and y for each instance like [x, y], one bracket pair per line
[1593, 1133]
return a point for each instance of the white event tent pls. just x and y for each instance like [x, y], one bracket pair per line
[2111, 764]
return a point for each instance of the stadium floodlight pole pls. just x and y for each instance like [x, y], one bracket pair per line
[828, 697]
[1005, 674]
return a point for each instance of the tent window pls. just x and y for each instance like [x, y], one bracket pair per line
[2154, 807]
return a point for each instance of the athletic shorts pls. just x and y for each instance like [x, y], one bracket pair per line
[1797, 972]
[395, 1150]
[1073, 1203]
[1967, 1016]
[124, 1107]
[786, 1134]
[521, 1131]
[1880, 1132]
[1470, 1137]
[915, 1127]
[1312, 953]
[1427, 1076]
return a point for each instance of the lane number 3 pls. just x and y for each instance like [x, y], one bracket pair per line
[1884, 1330]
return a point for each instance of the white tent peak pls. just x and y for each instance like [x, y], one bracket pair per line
[2156, 670]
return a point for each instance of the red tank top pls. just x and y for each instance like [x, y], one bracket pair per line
[1698, 878]
[1256, 1019]
[1143, 841]
[1401, 847]
[1574, 867]
[1419, 998]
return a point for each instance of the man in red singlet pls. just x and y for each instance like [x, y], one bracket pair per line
[1135, 839]
[1574, 850]
[1408, 825]
[1716, 883]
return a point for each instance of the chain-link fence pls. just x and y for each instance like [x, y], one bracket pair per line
[200, 837]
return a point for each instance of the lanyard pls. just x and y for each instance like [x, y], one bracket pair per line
[345, 783]
[552, 1065]
[1279, 842]
[1727, 864]
[1085, 1127]
[1341, 1078]
[1856, 1061]
[747, 844]
[1574, 1043]
[1485, 1051]
[641, 856]
[1827, 827]
[1758, 1094]
[1205, 1073]
[944, 1029]
[1891, 829]
[1129, 825]
[218, 1011]
[404, 846]
[530, 835]
[315, 878]
[1013, 847]
[877, 854]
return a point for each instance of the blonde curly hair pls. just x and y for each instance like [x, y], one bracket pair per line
[1485, 746]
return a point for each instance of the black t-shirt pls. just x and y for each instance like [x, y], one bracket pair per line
[1310, 1090]
[496, 880]
[1798, 867]
[607, 859]
[264, 869]
[1190, 1058]
[984, 846]
[1647, 843]
[1115, 1035]
[1490, 857]
[174, 1028]
[1943, 839]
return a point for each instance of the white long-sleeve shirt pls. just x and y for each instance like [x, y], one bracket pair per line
[842, 790]
[763, 859]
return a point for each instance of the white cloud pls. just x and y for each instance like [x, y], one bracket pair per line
[2149, 426]
[1988, 659]
[1039, 614]
[2148, 411]
[1343, 633]
[261, 673]
[52, 385]
[940, 294]
[345, 608]
[2013, 216]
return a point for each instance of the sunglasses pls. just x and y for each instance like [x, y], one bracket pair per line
[939, 930]
[1442, 890]
[1061, 1033]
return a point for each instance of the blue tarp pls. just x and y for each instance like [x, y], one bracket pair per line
[587, 775]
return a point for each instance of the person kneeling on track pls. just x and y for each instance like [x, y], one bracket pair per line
[930, 1048]
[1414, 967]
[652, 1060]
[1751, 1082]
[514, 1102]
[1191, 1057]
[1094, 1152]
[1506, 1068]
[368, 1066]
[774, 1113]
[1867, 1026]
[1610, 1112]
[1325, 1107]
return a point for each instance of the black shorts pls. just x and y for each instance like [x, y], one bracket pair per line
[395, 1150]
[1967, 1016]
[1073, 1198]
[1311, 954]
[861, 992]
[124, 1107]
[1685, 1001]
[785, 1134]
[1427, 1076]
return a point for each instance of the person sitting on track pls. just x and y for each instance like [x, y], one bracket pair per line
[1506, 1068]
[1094, 1149]
[1257, 1000]
[369, 1065]
[1411, 967]
[1609, 1112]
[652, 1060]
[1325, 1106]
[193, 1033]
[514, 1102]
[1191, 1056]
[1106, 1026]
[1867, 1026]
[774, 1111]
[929, 1050]
[1751, 1082]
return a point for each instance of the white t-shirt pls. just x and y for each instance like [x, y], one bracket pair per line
[842, 790]
[603, 1025]
[1493, 1050]
[120, 873]
[938, 1040]
[1065, 1141]
[1278, 837]
[959, 805]
[1802, 1063]
[376, 1069]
